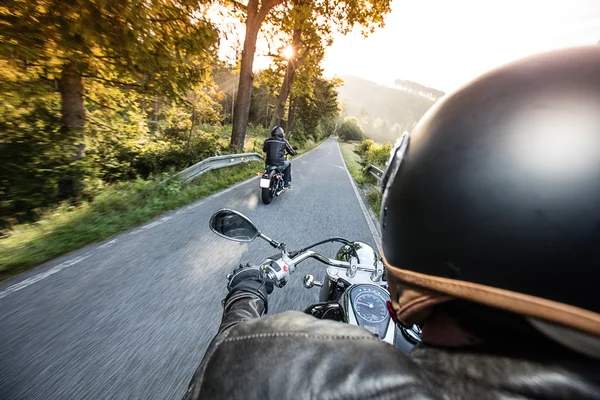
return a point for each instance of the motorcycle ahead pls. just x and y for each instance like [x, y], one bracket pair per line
[271, 183]
[354, 290]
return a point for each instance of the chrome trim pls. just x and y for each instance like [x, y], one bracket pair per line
[390, 335]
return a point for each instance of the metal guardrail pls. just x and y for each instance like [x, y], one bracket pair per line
[208, 164]
[211, 163]
[376, 172]
[216, 162]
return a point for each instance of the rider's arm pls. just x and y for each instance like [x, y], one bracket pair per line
[240, 307]
[289, 149]
[265, 147]
[247, 297]
[246, 300]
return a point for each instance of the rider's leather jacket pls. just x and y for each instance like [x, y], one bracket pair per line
[296, 356]
[275, 149]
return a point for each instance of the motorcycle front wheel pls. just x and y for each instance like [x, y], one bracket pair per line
[267, 195]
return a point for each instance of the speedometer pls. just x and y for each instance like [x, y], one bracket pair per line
[370, 307]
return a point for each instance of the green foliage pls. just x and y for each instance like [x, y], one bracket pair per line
[35, 149]
[353, 162]
[137, 42]
[317, 112]
[75, 96]
[364, 147]
[350, 130]
[374, 199]
[376, 154]
[120, 142]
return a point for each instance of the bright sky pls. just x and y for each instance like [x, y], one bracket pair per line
[444, 44]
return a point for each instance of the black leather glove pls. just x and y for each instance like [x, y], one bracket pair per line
[249, 279]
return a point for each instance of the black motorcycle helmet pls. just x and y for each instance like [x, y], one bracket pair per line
[494, 198]
[277, 132]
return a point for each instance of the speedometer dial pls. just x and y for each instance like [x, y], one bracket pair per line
[370, 307]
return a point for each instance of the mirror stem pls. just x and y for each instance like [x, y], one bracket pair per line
[268, 239]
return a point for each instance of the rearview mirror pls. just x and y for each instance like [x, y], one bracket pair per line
[233, 225]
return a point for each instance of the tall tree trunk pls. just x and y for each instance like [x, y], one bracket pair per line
[71, 91]
[255, 15]
[292, 116]
[288, 79]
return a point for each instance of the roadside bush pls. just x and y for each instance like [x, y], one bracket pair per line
[378, 154]
[254, 145]
[350, 130]
[364, 147]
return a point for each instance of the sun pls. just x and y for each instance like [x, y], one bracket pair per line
[288, 52]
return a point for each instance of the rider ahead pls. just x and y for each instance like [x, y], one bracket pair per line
[276, 148]
[491, 235]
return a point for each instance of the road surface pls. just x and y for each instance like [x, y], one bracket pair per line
[130, 318]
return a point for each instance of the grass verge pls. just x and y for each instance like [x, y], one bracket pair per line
[366, 182]
[353, 161]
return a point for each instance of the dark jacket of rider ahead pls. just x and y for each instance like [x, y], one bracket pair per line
[276, 149]
[491, 239]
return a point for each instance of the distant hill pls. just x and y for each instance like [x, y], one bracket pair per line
[417, 88]
[384, 113]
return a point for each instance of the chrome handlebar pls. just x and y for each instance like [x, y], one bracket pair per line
[278, 270]
[324, 259]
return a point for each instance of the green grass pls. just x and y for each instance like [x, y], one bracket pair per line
[120, 207]
[374, 198]
[353, 162]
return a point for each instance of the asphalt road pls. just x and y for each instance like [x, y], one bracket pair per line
[130, 318]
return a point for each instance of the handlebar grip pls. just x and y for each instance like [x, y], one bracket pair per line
[277, 272]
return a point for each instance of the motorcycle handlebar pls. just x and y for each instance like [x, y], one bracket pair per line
[279, 272]
[319, 257]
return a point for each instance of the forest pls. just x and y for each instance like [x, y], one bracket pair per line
[96, 92]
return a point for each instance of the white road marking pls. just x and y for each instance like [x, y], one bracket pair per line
[43, 275]
[30, 281]
[372, 228]
[108, 244]
[151, 225]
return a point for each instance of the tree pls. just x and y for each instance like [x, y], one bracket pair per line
[302, 21]
[319, 108]
[313, 25]
[255, 12]
[130, 44]
[350, 130]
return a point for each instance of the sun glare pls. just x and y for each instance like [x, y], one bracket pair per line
[288, 52]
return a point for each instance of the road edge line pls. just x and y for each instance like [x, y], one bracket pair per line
[366, 213]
